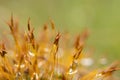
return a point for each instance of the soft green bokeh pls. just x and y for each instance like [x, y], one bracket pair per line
[102, 17]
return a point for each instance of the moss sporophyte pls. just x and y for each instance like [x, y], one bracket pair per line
[48, 56]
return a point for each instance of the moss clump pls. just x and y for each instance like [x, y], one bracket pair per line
[39, 58]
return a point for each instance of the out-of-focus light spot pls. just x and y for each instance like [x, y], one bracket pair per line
[103, 61]
[86, 61]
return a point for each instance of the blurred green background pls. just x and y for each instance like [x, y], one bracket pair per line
[102, 17]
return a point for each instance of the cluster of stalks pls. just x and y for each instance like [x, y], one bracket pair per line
[43, 58]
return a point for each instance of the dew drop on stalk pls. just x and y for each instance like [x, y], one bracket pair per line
[71, 71]
[17, 77]
[35, 76]
[98, 76]
[73, 68]
[31, 54]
